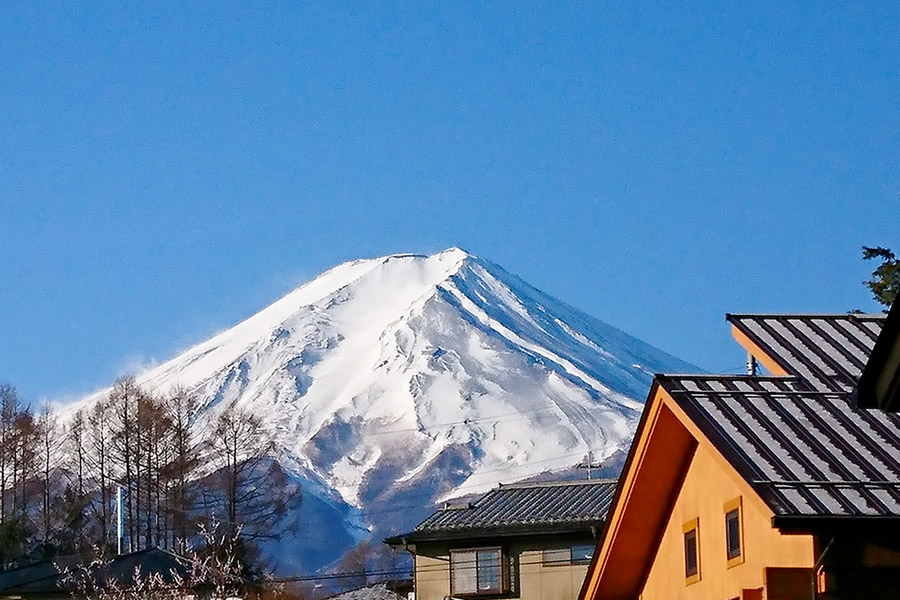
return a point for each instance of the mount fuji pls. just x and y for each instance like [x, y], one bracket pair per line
[391, 383]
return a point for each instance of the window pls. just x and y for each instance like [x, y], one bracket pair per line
[582, 554]
[577, 554]
[691, 565]
[477, 572]
[691, 551]
[733, 539]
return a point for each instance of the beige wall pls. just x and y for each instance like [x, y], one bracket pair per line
[535, 581]
[709, 484]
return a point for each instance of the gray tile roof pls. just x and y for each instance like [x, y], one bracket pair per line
[827, 351]
[806, 450]
[378, 591]
[523, 508]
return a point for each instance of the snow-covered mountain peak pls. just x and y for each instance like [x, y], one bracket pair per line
[422, 376]
[388, 283]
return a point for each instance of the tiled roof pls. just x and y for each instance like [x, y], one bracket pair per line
[807, 451]
[378, 591]
[827, 351]
[525, 508]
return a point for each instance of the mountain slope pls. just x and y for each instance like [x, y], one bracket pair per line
[393, 382]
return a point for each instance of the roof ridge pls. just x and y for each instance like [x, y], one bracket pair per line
[538, 484]
[876, 316]
[742, 376]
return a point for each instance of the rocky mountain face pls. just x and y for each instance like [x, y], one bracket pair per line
[392, 383]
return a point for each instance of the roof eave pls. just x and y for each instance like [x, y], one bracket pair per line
[477, 533]
[813, 523]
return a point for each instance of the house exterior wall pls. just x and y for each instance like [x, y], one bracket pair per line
[708, 486]
[532, 580]
[432, 580]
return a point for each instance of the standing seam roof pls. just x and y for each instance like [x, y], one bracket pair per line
[827, 351]
[807, 451]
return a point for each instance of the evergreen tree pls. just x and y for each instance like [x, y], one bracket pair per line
[885, 281]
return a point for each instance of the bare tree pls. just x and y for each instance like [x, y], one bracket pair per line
[48, 452]
[14, 526]
[9, 408]
[99, 464]
[181, 468]
[249, 487]
[123, 401]
[76, 496]
[214, 572]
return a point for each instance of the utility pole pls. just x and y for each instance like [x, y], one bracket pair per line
[590, 466]
[752, 369]
[119, 528]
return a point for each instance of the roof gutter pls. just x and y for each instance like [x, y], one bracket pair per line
[415, 537]
[809, 523]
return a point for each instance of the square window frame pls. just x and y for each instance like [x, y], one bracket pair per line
[504, 583]
[692, 525]
[728, 507]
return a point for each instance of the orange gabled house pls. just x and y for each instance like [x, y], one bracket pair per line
[764, 487]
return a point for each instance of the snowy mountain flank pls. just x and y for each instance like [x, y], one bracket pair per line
[392, 383]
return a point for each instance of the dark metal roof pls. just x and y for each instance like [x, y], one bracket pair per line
[827, 351]
[48, 577]
[522, 508]
[808, 451]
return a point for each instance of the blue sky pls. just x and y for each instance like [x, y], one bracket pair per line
[166, 171]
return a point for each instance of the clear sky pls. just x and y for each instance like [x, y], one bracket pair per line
[167, 169]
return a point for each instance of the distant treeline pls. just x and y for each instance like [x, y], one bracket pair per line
[59, 476]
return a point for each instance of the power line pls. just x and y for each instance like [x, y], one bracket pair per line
[425, 569]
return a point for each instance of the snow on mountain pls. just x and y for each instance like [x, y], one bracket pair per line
[394, 382]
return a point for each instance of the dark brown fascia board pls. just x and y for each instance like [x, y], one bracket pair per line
[482, 533]
[763, 315]
[815, 523]
[883, 363]
[626, 468]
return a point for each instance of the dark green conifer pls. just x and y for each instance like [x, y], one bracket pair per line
[885, 281]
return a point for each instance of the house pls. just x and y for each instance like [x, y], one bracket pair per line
[50, 579]
[528, 541]
[783, 486]
[383, 590]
